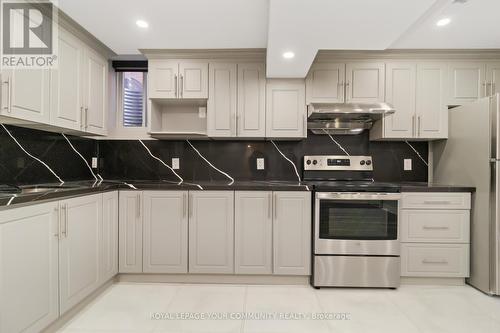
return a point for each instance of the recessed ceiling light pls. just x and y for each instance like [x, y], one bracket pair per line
[288, 55]
[442, 22]
[142, 24]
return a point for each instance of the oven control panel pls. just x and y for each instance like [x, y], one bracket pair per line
[338, 163]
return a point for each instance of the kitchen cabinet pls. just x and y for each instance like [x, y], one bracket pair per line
[253, 229]
[211, 232]
[286, 114]
[95, 93]
[325, 83]
[79, 249]
[28, 268]
[492, 78]
[466, 81]
[222, 104]
[67, 98]
[292, 233]
[174, 79]
[165, 232]
[130, 232]
[109, 236]
[251, 109]
[25, 95]
[365, 82]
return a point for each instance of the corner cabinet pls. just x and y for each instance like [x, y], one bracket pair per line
[130, 232]
[29, 296]
[292, 233]
[286, 114]
[175, 79]
[211, 232]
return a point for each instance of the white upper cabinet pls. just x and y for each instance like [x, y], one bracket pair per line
[26, 94]
[28, 268]
[492, 78]
[286, 114]
[466, 82]
[67, 84]
[130, 232]
[95, 93]
[325, 83]
[221, 104]
[365, 82]
[211, 232]
[432, 112]
[174, 79]
[251, 110]
[401, 93]
[165, 232]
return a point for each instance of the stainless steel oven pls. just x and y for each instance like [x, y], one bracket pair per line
[348, 223]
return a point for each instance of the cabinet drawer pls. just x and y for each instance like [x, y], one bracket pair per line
[435, 226]
[435, 260]
[425, 200]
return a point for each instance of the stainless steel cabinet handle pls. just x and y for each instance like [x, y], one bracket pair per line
[81, 117]
[413, 125]
[275, 206]
[492, 85]
[58, 214]
[86, 117]
[269, 206]
[419, 124]
[440, 262]
[66, 224]
[190, 205]
[437, 202]
[184, 205]
[63, 232]
[138, 206]
[7, 105]
[181, 88]
[175, 85]
[237, 123]
[435, 228]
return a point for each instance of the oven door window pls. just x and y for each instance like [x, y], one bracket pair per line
[358, 219]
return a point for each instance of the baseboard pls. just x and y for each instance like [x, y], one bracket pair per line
[65, 318]
[215, 278]
[433, 281]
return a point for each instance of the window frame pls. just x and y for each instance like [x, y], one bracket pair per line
[120, 114]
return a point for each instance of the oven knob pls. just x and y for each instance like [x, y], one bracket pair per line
[362, 162]
[368, 162]
[308, 162]
[315, 162]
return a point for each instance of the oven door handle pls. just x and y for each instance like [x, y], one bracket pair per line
[357, 196]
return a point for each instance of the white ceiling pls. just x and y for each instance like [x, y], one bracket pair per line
[301, 26]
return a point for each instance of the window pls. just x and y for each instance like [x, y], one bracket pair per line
[133, 99]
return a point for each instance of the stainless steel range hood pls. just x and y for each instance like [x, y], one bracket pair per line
[345, 118]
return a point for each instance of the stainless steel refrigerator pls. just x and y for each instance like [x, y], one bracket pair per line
[471, 156]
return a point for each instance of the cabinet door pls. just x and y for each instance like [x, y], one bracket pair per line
[365, 82]
[211, 226]
[292, 233]
[163, 79]
[493, 78]
[26, 94]
[67, 84]
[109, 236]
[432, 112]
[286, 115]
[79, 249]
[466, 82]
[165, 232]
[325, 83]
[28, 268]
[251, 111]
[96, 72]
[400, 92]
[193, 79]
[221, 105]
[130, 232]
[253, 230]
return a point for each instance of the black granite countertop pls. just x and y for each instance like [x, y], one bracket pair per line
[73, 189]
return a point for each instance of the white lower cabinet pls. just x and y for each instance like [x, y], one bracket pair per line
[292, 233]
[28, 268]
[211, 232]
[79, 249]
[130, 232]
[109, 236]
[165, 232]
[253, 230]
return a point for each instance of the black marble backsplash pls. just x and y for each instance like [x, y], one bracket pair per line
[129, 160]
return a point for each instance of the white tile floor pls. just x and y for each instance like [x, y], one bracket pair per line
[128, 307]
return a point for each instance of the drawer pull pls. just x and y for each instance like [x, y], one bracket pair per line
[439, 262]
[437, 202]
[435, 228]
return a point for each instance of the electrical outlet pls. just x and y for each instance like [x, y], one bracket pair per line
[175, 163]
[94, 162]
[407, 164]
[260, 164]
